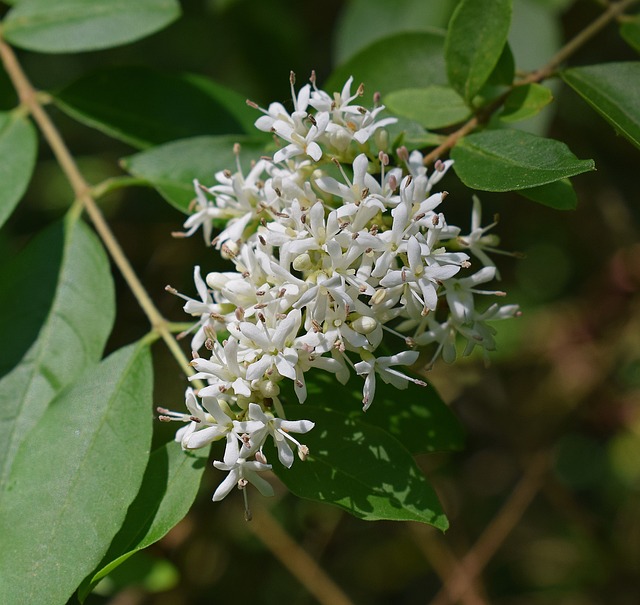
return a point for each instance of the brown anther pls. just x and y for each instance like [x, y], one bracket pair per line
[262, 318]
[419, 217]
[303, 218]
[383, 158]
[355, 235]
[250, 103]
[376, 98]
[236, 148]
[435, 220]
[239, 313]
[227, 173]
[170, 290]
[278, 192]
[164, 418]
[162, 410]
[312, 78]
[260, 305]
[439, 166]
[403, 153]
[360, 90]
[292, 78]
[299, 384]
[362, 110]
[178, 234]
[208, 344]
[195, 419]
[403, 274]
[260, 293]
[410, 342]
[312, 119]
[262, 240]
[365, 193]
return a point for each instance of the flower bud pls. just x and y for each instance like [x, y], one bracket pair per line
[302, 262]
[364, 324]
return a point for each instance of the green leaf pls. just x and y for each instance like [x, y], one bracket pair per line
[525, 102]
[76, 473]
[408, 60]
[361, 469]
[432, 107]
[18, 149]
[143, 107]
[363, 22]
[171, 168]
[475, 41]
[169, 487]
[630, 32]
[508, 160]
[505, 69]
[66, 26]
[416, 416]
[71, 328]
[559, 195]
[609, 88]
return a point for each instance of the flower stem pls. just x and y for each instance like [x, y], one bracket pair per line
[30, 99]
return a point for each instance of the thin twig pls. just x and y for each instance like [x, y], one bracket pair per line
[613, 12]
[496, 532]
[82, 191]
[296, 559]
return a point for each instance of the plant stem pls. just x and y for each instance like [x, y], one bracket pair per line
[115, 183]
[83, 193]
[613, 12]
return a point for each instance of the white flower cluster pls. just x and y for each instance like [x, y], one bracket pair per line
[332, 247]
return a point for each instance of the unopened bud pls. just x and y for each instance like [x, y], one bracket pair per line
[364, 324]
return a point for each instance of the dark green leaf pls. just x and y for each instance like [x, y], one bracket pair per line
[525, 102]
[67, 26]
[508, 160]
[171, 168]
[77, 313]
[18, 149]
[504, 71]
[610, 89]
[169, 487]
[559, 195]
[417, 416]
[408, 60]
[475, 40]
[143, 107]
[630, 31]
[364, 22]
[360, 468]
[73, 478]
[432, 107]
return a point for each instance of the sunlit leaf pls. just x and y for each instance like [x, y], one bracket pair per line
[610, 89]
[507, 160]
[475, 40]
[73, 479]
[143, 107]
[416, 416]
[76, 25]
[432, 107]
[63, 310]
[169, 487]
[360, 468]
[171, 168]
[18, 149]
[409, 60]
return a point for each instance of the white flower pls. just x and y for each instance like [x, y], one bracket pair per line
[241, 471]
[382, 365]
[260, 425]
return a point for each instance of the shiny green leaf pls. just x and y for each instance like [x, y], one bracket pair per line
[73, 479]
[508, 160]
[408, 60]
[169, 487]
[171, 168]
[525, 102]
[475, 41]
[359, 468]
[18, 149]
[432, 107]
[64, 310]
[630, 32]
[610, 89]
[66, 26]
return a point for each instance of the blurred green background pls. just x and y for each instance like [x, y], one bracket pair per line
[565, 380]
